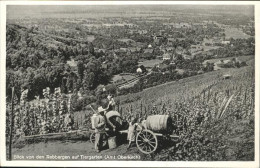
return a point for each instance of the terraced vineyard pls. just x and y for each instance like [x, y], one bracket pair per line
[214, 117]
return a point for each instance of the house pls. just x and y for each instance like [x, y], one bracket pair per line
[179, 50]
[148, 50]
[166, 56]
[225, 42]
[207, 42]
[127, 41]
[102, 49]
[185, 56]
[195, 48]
[169, 48]
[90, 38]
[123, 50]
[162, 67]
[222, 63]
[210, 53]
[72, 63]
[185, 25]
[140, 45]
[216, 41]
[172, 63]
[134, 49]
[142, 31]
[132, 31]
[139, 70]
[226, 76]
[104, 66]
[180, 39]
[200, 72]
[171, 40]
[157, 39]
[180, 71]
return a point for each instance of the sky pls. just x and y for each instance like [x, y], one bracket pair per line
[18, 11]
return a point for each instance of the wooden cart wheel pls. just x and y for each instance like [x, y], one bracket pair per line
[92, 137]
[146, 141]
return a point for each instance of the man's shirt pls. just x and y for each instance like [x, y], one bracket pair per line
[101, 123]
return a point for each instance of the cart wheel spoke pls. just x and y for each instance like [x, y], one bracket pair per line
[141, 144]
[150, 139]
[152, 142]
[151, 145]
[143, 138]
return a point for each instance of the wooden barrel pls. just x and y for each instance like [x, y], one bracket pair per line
[112, 143]
[159, 123]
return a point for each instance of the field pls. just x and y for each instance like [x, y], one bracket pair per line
[235, 33]
[150, 63]
[123, 77]
[207, 48]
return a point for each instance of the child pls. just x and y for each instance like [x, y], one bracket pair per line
[131, 131]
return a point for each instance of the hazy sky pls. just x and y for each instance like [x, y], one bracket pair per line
[14, 11]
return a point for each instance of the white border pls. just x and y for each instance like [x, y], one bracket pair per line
[3, 161]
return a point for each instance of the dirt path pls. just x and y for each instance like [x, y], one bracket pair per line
[74, 150]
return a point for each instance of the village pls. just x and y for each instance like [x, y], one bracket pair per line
[157, 43]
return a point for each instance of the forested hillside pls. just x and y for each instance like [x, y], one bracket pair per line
[36, 60]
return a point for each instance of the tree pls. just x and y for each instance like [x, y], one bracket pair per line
[80, 67]
[89, 80]
[91, 49]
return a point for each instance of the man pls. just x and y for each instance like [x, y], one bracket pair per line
[100, 129]
[107, 107]
[111, 103]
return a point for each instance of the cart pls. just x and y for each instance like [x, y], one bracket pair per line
[146, 139]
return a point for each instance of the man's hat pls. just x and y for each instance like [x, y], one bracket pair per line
[101, 109]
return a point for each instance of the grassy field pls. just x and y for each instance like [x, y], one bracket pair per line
[150, 63]
[125, 77]
[235, 33]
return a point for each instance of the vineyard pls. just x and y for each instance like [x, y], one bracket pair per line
[214, 117]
